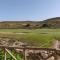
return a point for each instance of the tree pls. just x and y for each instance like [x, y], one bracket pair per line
[27, 25]
[45, 25]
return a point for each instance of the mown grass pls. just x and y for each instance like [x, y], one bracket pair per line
[37, 37]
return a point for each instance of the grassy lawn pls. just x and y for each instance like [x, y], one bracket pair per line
[37, 37]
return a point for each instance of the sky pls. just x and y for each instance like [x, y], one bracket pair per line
[29, 10]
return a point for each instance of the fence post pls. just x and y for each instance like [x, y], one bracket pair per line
[4, 54]
[24, 53]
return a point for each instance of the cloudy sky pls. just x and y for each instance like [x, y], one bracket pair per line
[29, 9]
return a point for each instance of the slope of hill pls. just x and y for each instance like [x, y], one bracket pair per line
[53, 22]
[48, 23]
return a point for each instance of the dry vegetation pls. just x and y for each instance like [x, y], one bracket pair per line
[33, 37]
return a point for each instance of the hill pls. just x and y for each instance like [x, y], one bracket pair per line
[53, 22]
[48, 23]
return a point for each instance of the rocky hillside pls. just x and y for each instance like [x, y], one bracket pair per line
[53, 22]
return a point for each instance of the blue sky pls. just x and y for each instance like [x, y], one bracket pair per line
[29, 9]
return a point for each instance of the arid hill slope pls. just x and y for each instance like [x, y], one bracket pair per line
[48, 23]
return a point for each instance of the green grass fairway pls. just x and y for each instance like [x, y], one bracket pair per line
[37, 37]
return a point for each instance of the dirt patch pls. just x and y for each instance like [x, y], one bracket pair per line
[20, 33]
[11, 42]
